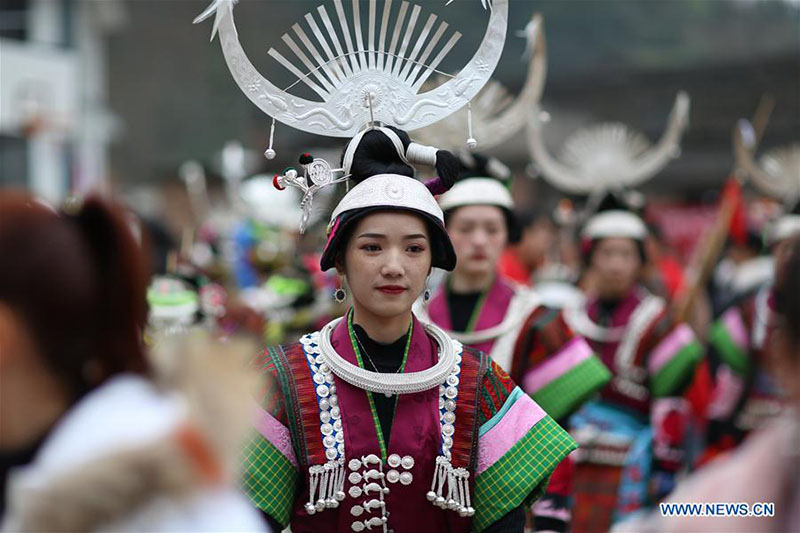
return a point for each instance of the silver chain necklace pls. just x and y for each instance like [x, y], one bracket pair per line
[371, 362]
[369, 358]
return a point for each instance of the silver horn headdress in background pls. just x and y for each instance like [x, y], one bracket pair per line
[495, 115]
[777, 171]
[609, 155]
[776, 174]
[375, 76]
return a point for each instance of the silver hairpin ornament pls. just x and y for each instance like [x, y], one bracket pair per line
[317, 174]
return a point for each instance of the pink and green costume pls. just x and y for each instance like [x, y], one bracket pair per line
[317, 461]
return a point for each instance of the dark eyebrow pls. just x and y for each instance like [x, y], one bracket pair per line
[382, 236]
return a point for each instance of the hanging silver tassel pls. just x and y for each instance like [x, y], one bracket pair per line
[323, 489]
[464, 502]
[440, 474]
[270, 153]
[330, 487]
[339, 492]
[456, 482]
[452, 504]
[472, 142]
[313, 475]
[325, 486]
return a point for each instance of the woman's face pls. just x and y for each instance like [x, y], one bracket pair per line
[617, 265]
[386, 262]
[479, 234]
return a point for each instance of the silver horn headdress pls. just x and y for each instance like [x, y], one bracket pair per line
[607, 156]
[373, 80]
[776, 174]
[495, 115]
[387, 64]
[777, 171]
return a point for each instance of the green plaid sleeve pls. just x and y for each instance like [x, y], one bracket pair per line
[270, 480]
[520, 476]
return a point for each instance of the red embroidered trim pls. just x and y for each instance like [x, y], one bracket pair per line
[306, 398]
[466, 408]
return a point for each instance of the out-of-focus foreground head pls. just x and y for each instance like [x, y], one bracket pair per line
[785, 335]
[72, 284]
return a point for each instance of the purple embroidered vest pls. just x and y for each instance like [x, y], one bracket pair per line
[412, 449]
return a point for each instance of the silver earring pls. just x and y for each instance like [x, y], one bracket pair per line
[339, 295]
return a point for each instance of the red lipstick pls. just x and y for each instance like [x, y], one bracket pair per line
[392, 289]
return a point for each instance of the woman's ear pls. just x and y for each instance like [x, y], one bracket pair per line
[339, 265]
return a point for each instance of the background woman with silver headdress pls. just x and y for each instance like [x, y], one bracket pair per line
[747, 394]
[632, 439]
[488, 312]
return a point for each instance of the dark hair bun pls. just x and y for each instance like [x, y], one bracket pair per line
[448, 168]
[376, 154]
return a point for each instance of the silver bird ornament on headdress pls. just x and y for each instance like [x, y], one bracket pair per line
[317, 173]
[607, 156]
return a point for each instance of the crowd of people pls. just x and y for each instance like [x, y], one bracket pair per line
[433, 355]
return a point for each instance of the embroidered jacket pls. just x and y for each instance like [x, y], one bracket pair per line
[477, 441]
[533, 344]
[745, 395]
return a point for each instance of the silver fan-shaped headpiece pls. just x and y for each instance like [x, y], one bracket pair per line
[363, 77]
[777, 171]
[607, 156]
[495, 115]
[371, 81]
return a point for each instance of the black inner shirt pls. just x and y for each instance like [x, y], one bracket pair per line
[606, 310]
[387, 359]
[461, 306]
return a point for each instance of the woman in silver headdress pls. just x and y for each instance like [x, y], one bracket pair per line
[381, 421]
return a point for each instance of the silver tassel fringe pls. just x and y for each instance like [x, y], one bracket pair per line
[456, 481]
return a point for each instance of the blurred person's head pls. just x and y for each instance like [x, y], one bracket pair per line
[72, 306]
[479, 234]
[617, 264]
[785, 337]
[537, 237]
[479, 215]
[614, 247]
